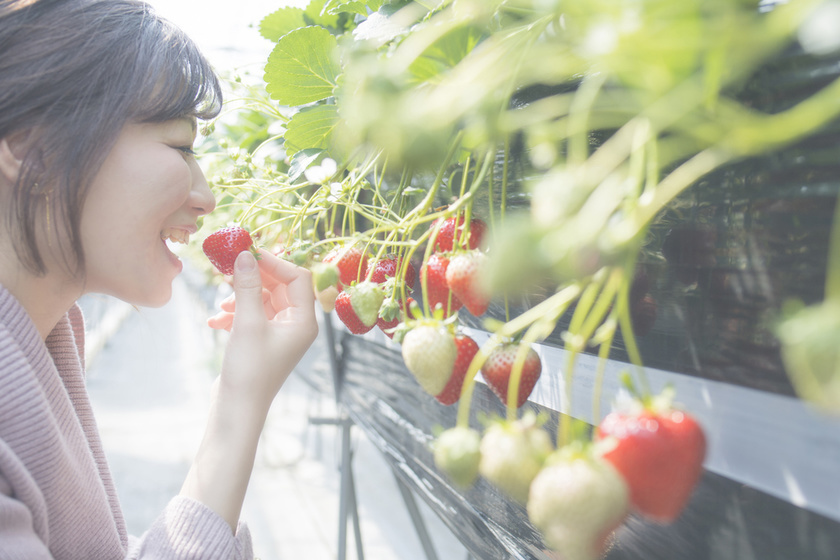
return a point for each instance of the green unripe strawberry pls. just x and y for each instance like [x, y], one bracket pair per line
[429, 353]
[457, 454]
[576, 501]
[366, 299]
[512, 453]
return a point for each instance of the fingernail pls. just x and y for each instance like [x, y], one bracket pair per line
[245, 262]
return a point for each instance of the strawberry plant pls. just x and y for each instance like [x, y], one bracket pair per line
[507, 147]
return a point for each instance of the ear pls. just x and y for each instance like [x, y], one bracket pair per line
[10, 163]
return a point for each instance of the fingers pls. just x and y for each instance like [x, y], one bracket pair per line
[247, 286]
[297, 281]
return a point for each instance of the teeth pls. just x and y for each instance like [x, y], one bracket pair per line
[175, 235]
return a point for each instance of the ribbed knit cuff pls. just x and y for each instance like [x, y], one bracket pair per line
[189, 530]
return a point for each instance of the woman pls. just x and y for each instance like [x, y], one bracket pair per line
[98, 107]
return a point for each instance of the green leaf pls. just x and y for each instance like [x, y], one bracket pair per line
[361, 7]
[276, 24]
[311, 128]
[445, 53]
[302, 68]
[316, 14]
[302, 160]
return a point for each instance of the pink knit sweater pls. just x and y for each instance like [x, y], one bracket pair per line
[57, 498]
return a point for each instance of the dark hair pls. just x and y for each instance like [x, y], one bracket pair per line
[72, 74]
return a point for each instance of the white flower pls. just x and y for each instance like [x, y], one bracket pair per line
[321, 173]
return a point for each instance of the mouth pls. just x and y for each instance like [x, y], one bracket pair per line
[175, 235]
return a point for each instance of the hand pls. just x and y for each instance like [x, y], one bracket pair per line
[271, 318]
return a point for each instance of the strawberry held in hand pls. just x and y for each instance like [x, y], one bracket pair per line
[466, 351]
[659, 451]
[465, 276]
[223, 246]
[498, 368]
[429, 352]
[576, 501]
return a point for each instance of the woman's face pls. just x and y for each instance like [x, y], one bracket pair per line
[149, 189]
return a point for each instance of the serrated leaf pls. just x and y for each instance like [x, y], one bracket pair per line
[315, 14]
[302, 160]
[276, 24]
[360, 7]
[311, 128]
[302, 68]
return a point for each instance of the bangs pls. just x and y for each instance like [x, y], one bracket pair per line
[174, 78]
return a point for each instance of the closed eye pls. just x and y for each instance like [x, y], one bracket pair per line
[187, 150]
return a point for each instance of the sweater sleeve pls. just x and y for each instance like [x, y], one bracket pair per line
[189, 530]
[18, 538]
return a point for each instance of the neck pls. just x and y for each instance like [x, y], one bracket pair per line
[45, 298]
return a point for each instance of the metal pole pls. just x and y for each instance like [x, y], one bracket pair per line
[416, 519]
[354, 510]
[344, 493]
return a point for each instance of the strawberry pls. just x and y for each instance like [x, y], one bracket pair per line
[366, 298]
[351, 263]
[512, 453]
[576, 501]
[457, 454]
[446, 238]
[659, 451]
[344, 309]
[327, 298]
[223, 246]
[498, 368]
[434, 271]
[429, 352]
[392, 314]
[388, 266]
[467, 349]
[465, 276]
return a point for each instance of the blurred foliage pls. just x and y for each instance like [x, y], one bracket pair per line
[567, 126]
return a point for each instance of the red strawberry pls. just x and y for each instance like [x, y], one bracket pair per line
[576, 501]
[351, 263]
[388, 266]
[344, 309]
[446, 237]
[498, 367]
[512, 453]
[437, 290]
[465, 277]
[429, 353]
[392, 314]
[467, 349]
[660, 455]
[223, 246]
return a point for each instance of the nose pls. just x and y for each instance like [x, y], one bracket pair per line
[201, 197]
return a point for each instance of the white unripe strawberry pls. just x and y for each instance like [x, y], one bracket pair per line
[457, 454]
[429, 353]
[576, 502]
[366, 298]
[512, 453]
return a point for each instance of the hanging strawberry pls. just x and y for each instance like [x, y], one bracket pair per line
[499, 366]
[388, 267]
[659, 451]
[351, 263]
[466, 351]
[576, 501]
[512, 453]
[429, 352]
[452, 230]
[392, 313]
[436, 287]
[456, 453]
[465, 277]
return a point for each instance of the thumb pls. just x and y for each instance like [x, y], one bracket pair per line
[247, 285]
